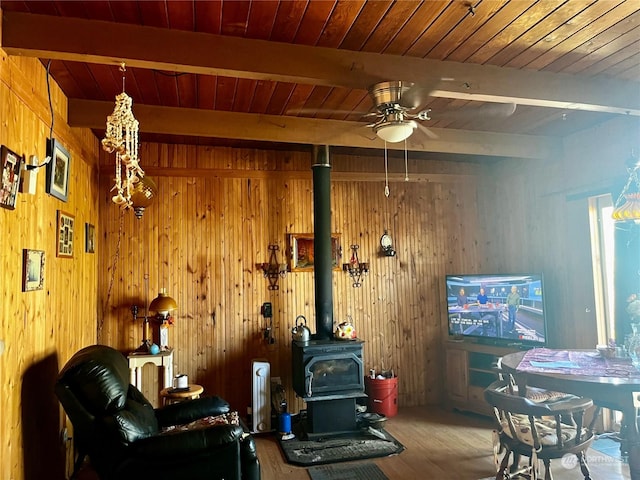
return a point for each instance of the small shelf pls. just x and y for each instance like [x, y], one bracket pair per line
[483, 361]
[481, 378]
[471, 368]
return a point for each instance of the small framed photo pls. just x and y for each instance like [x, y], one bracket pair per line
[89, 238]
[58, 170]
[302, 252]
[32, 270]
[65, 235]
[11, 164]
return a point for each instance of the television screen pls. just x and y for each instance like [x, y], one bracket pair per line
[497, 308]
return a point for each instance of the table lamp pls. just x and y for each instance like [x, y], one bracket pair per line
[163, 305]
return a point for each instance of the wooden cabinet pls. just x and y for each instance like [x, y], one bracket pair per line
[470, 368]
[456, 380]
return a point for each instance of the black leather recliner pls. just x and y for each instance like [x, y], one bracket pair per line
[120, 431]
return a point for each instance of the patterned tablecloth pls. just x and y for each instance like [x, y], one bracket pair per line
[544, 360]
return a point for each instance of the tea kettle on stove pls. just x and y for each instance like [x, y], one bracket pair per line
[301, 332]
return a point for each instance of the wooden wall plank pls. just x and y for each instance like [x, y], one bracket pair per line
[42, 329]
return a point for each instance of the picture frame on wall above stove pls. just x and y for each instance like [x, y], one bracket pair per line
[57, 183]
[11, 164]
[301, 252]
[32, 270]
[65, 241]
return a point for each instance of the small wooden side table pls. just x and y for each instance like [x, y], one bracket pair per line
[172, 395]
[163, 359]
[164, 363]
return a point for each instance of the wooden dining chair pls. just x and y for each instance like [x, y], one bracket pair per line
[542, 430]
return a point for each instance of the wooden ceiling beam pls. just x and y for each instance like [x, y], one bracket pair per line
[285, 129]
[75, 39]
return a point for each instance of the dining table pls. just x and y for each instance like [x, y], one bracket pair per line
[612, 383]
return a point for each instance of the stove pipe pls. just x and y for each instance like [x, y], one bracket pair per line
[323, 261]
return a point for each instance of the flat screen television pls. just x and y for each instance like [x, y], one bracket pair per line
[497, 308]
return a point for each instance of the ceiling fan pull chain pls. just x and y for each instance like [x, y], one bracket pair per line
[386, 172]
[406, 165]
[386, 187]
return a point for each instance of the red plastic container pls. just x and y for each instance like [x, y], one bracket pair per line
[383, 395]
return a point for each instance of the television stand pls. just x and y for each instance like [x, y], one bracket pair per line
[470, 368]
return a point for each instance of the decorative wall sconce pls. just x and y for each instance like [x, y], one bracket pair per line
[386, 243]
[273, 270]
[355, 268]
[627, 207]
[30, 176]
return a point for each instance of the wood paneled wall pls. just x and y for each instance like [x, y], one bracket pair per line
[537, 214]
[218, 209]
[216, 212]
[41, 329]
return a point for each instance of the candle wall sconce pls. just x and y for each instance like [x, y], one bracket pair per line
[273, 270]
[355, 268]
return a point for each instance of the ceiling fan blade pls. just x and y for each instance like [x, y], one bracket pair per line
[499, 109]
[495, 110]
[415, 96]
[418, 94]
[361, 129]
[426, 131]
[316, 111]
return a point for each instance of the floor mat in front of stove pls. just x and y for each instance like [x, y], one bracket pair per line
[356, 446]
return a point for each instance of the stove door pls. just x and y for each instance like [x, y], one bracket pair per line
[334, 373]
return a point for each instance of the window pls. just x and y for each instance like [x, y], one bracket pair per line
[602, 249]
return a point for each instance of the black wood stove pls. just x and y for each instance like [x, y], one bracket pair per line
[328, 374]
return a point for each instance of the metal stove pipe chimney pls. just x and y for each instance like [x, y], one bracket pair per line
[323, 263]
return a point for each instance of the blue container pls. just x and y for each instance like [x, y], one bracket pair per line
[284, 423]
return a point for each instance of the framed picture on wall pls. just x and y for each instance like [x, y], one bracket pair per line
[302, 252]
[89, 238]
[11, 164]
[65, 235]
[32, 270]
[58, 170]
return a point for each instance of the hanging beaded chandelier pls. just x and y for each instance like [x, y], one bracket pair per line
[627, 207]
[121, 137]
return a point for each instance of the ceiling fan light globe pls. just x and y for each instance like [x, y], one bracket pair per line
[393, 132]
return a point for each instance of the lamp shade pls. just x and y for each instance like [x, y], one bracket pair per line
[163, 303]
[396, 131]
[142, 194]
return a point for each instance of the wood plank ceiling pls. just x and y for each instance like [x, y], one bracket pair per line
[297, 72]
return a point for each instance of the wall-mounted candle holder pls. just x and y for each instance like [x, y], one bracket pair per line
[355, 268]
[273, 270]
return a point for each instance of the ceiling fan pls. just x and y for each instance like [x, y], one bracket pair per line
[396, 101]
[395, 122]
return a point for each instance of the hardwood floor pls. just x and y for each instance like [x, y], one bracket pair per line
[439, 445]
